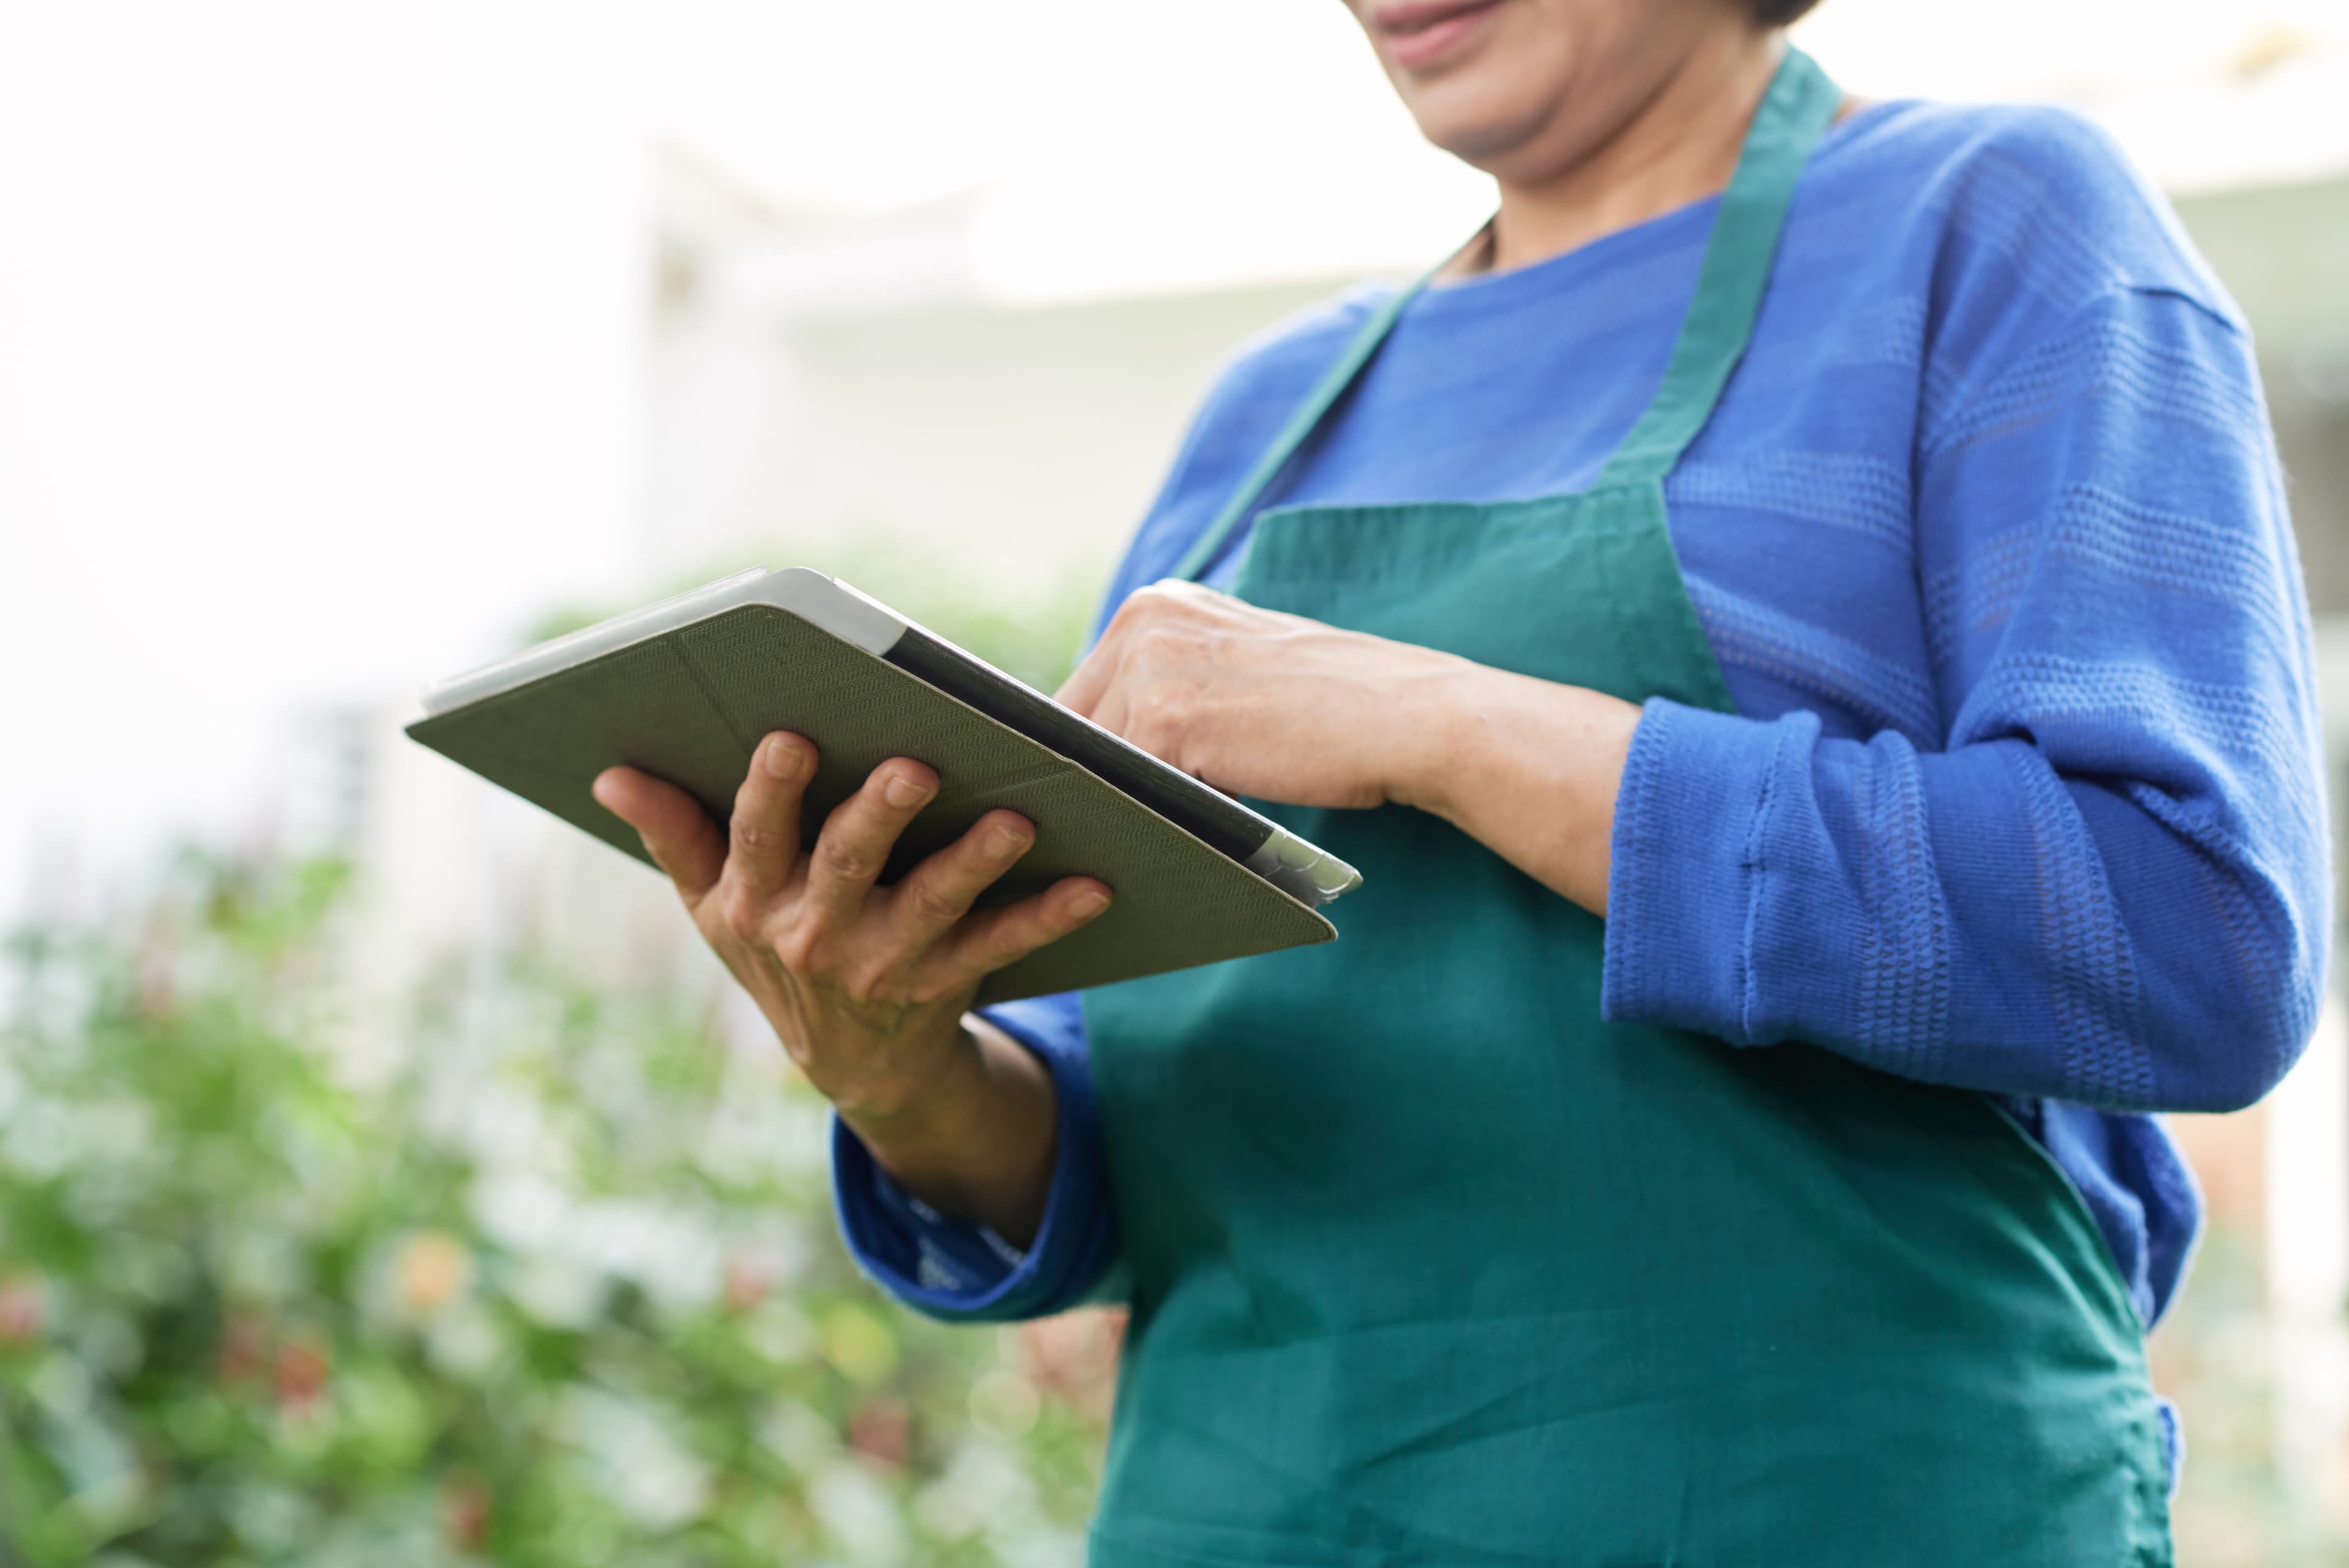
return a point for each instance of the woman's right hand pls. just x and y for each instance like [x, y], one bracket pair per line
[866, 985]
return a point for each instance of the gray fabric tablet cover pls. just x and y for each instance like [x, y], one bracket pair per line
[691, 705]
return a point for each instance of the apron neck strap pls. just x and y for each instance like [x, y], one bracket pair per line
[1794, 112]
[1301, 426]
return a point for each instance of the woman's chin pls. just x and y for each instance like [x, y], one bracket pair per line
[1480, 124]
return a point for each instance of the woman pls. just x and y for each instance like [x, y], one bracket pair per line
[1797, 626]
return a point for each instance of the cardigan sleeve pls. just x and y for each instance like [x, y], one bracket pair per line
[962, 1272]
[2106, 882]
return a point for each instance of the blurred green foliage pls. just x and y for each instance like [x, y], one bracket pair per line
[557, 1286]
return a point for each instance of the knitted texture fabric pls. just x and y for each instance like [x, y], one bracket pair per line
[2023, 793]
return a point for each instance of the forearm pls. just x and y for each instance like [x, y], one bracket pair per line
[1528, 768]
[1970, 916]
[979, 1145]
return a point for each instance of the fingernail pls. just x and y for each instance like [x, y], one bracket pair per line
[783, 758]
[901, 791]
[1089, 903]
[1006, 841]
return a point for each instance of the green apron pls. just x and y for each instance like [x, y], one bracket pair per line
[1430, 1264]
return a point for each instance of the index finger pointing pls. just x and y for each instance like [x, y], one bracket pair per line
[1081, 693]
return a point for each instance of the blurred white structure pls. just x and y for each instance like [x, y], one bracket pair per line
[2307, 1250]
[817, 384]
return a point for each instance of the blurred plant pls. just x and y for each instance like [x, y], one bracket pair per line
[559, 1287]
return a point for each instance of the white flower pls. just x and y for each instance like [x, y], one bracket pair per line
[858, 1511]
[644, 1468]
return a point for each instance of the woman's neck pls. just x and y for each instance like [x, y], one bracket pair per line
[1678, 146]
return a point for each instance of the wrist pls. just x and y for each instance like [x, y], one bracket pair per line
[1530, 769]
[980, 1143]
[1437, 728]
[904, 1094]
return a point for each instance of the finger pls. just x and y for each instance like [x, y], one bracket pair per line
[763, 840]
[1082, 692]
[857, 836]
[677, 833]
[994, 938]
[1096, 673]
[1113, 711]
[940, 890]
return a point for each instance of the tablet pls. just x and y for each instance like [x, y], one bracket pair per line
[686, 688]
[1264, 846]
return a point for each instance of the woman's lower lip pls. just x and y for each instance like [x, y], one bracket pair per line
[1428, 45]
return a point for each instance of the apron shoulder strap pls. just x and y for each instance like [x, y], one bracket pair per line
[1799, 106]
[1299, 429]
[1794, 114]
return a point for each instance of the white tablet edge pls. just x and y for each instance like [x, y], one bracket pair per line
[810, 595]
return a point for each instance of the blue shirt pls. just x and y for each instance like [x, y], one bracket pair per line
[2022, 793]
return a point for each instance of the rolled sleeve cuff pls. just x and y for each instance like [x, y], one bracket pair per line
[958, 1271]
[1690, 820]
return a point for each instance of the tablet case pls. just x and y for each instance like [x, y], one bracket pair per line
[690, 705]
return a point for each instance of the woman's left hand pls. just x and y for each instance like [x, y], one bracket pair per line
[1285, 709]
[1261, 703]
